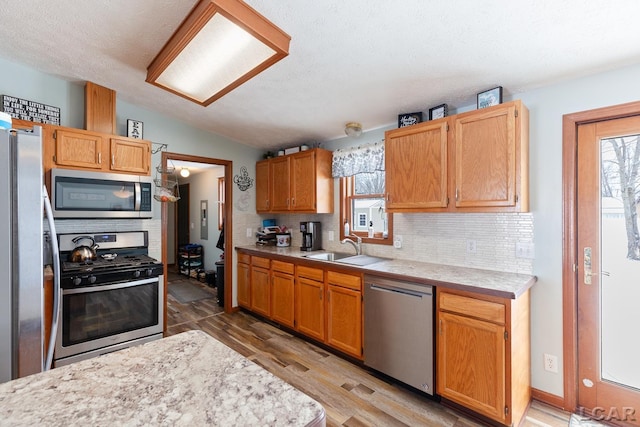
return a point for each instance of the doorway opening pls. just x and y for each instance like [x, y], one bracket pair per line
[224, 235]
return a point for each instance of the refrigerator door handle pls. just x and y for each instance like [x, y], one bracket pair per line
[56, 280]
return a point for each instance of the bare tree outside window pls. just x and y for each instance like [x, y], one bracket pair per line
[620, 180]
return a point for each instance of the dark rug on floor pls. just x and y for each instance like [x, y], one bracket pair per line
[186, 292]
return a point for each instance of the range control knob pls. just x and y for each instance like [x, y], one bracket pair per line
[77, 281]
[149, 272]
[92, 279]
[136, 274]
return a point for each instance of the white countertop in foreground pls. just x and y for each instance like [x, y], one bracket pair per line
[496, 283]
[186, 379]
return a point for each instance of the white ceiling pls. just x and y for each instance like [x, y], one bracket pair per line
[355, 60]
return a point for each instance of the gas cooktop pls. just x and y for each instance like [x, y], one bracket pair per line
[110, 263]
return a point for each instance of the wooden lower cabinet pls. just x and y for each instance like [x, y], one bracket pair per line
[260, 286]
[244, 280]
[283, 293]
[483, 354]
[310, 307]
[344, 312]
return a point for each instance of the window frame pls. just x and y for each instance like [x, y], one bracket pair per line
[347, 194]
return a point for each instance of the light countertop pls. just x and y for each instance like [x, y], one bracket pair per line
[186, 379]
[488, 282]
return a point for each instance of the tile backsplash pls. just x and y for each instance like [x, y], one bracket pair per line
[440, 238]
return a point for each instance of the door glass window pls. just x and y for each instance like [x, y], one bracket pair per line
[620, 258]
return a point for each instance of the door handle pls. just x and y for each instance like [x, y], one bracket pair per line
[588, 273]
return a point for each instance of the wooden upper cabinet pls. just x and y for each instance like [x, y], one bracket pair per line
[279, 175]
[130, 156]
[100, 108]
[80, 149]
[491, 157]
[299, 182]
[262, 186]
[416, 166]
[480, 165]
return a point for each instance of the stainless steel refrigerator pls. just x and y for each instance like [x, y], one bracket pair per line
[23, 199]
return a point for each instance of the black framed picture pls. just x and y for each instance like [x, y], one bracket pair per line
[438, 112]
[490, 97]
[409, 119]
[134, 129]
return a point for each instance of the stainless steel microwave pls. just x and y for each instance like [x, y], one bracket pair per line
[87, 194]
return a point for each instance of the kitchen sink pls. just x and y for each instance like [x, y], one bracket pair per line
[346, 258]
[361, 260]
[329, 256]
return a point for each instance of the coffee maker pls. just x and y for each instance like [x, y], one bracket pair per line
[311, 236]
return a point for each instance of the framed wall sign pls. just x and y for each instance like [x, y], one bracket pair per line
[438, 112]
[134, 129]
[490, 97]
[409, 119]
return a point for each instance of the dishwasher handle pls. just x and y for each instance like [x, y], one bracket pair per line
[398, 291]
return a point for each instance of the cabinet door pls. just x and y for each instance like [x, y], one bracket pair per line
[78, 149]
[303, 181]
[310, 308]
[344, 319]
[244, 285]
[282, 300]
[471, 364]
[485, 157]
[416, 166]
[279, 174]
[262, 186]
[130, 156]
[260, 291]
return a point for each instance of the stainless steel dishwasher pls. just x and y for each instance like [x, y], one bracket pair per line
[398, 330]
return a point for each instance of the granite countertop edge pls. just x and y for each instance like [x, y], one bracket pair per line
[487, 282]
[172, 381]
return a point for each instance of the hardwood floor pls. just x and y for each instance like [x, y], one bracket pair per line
[351, 395]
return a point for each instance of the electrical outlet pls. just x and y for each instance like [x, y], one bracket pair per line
[249, 232]
[397, 241]
[471, 246]
[331, 235]
[551, 363]
[525, 250]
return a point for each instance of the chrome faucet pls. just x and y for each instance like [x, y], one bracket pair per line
[357, 244]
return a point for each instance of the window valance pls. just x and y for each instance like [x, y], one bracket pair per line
[354, 160]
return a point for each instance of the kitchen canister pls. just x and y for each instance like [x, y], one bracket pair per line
[283, 239]
[5, 121]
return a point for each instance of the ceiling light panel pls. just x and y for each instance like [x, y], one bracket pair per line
[220, 45]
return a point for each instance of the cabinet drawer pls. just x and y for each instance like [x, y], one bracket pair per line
[284, 267]
[260, 262]
[244, 258]
[344, 280]
[486, 310]
[311, 273]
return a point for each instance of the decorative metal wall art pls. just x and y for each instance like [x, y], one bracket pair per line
[242, 180]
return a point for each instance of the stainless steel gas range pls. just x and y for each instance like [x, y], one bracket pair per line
[111, 302]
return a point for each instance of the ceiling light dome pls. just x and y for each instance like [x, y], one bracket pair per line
[353, 129]
[184, 172]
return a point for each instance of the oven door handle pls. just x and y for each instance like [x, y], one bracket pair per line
[89, 289]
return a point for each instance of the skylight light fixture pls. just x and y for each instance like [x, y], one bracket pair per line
[220, 45]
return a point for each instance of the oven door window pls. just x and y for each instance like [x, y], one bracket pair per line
[93, 315]
[82, 194]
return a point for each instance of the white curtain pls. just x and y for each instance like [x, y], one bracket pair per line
[360, 159]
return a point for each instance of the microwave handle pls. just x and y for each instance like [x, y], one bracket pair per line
[138, 193]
